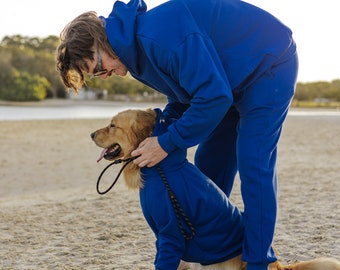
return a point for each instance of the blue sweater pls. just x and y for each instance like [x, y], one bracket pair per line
[198, 53]
[217, 222]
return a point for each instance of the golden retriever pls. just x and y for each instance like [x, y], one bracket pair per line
[123, 135]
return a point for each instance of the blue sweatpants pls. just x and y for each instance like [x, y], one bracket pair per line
[246, 141]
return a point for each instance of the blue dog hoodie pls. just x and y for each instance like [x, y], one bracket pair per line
[217, 222]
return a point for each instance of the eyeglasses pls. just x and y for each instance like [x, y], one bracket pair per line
[99, 71]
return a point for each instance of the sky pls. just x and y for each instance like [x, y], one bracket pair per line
[315, 25]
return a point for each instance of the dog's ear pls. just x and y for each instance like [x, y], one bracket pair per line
[150, 120]
[143, 124]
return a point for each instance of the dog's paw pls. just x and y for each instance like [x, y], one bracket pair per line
[184, 266]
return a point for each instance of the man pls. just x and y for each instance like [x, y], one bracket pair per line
[229, 71]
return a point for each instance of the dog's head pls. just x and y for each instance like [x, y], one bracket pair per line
[124, 133]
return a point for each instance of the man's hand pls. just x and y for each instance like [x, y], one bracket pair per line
[151, 153]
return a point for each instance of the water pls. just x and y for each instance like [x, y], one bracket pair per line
[69, 110]
[44, 113]
[93, 110]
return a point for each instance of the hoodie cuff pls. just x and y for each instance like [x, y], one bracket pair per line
[166, 142]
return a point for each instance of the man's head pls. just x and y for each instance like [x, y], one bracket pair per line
[80, 40]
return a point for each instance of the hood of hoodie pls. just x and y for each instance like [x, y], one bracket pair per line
[120, 27]
[162, 123]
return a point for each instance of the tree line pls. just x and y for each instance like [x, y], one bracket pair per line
[28, 73]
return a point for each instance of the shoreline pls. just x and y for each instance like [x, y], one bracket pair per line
[94, 109]
[74, 102]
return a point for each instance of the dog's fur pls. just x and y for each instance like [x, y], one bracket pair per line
[131, 127]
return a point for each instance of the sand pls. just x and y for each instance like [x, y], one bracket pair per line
[52, 218]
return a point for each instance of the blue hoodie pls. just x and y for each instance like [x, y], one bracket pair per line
[198, 53]
[217, 222]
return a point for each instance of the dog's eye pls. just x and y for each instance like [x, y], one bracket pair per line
[112, 125]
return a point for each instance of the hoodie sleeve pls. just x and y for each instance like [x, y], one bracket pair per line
[174, 109]
[196, 66]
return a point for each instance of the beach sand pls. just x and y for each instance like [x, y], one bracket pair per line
[52, 218]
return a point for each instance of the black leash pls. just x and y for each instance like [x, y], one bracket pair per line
[128, 160]
[178, 209]
[180, 214]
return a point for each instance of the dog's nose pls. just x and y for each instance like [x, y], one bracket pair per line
[93, 134]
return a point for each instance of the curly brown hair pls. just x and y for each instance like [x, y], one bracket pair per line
[78, 40]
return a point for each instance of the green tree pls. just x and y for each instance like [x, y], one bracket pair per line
[318, 90]
[25, 87]
[35, 56]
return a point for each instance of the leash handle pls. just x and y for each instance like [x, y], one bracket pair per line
[128, 160]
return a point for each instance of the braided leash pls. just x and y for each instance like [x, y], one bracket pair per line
[178, 209]
[128, 160]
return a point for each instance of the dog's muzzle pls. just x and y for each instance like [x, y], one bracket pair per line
[110, 153]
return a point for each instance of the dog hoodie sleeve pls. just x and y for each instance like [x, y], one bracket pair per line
[162, 220]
